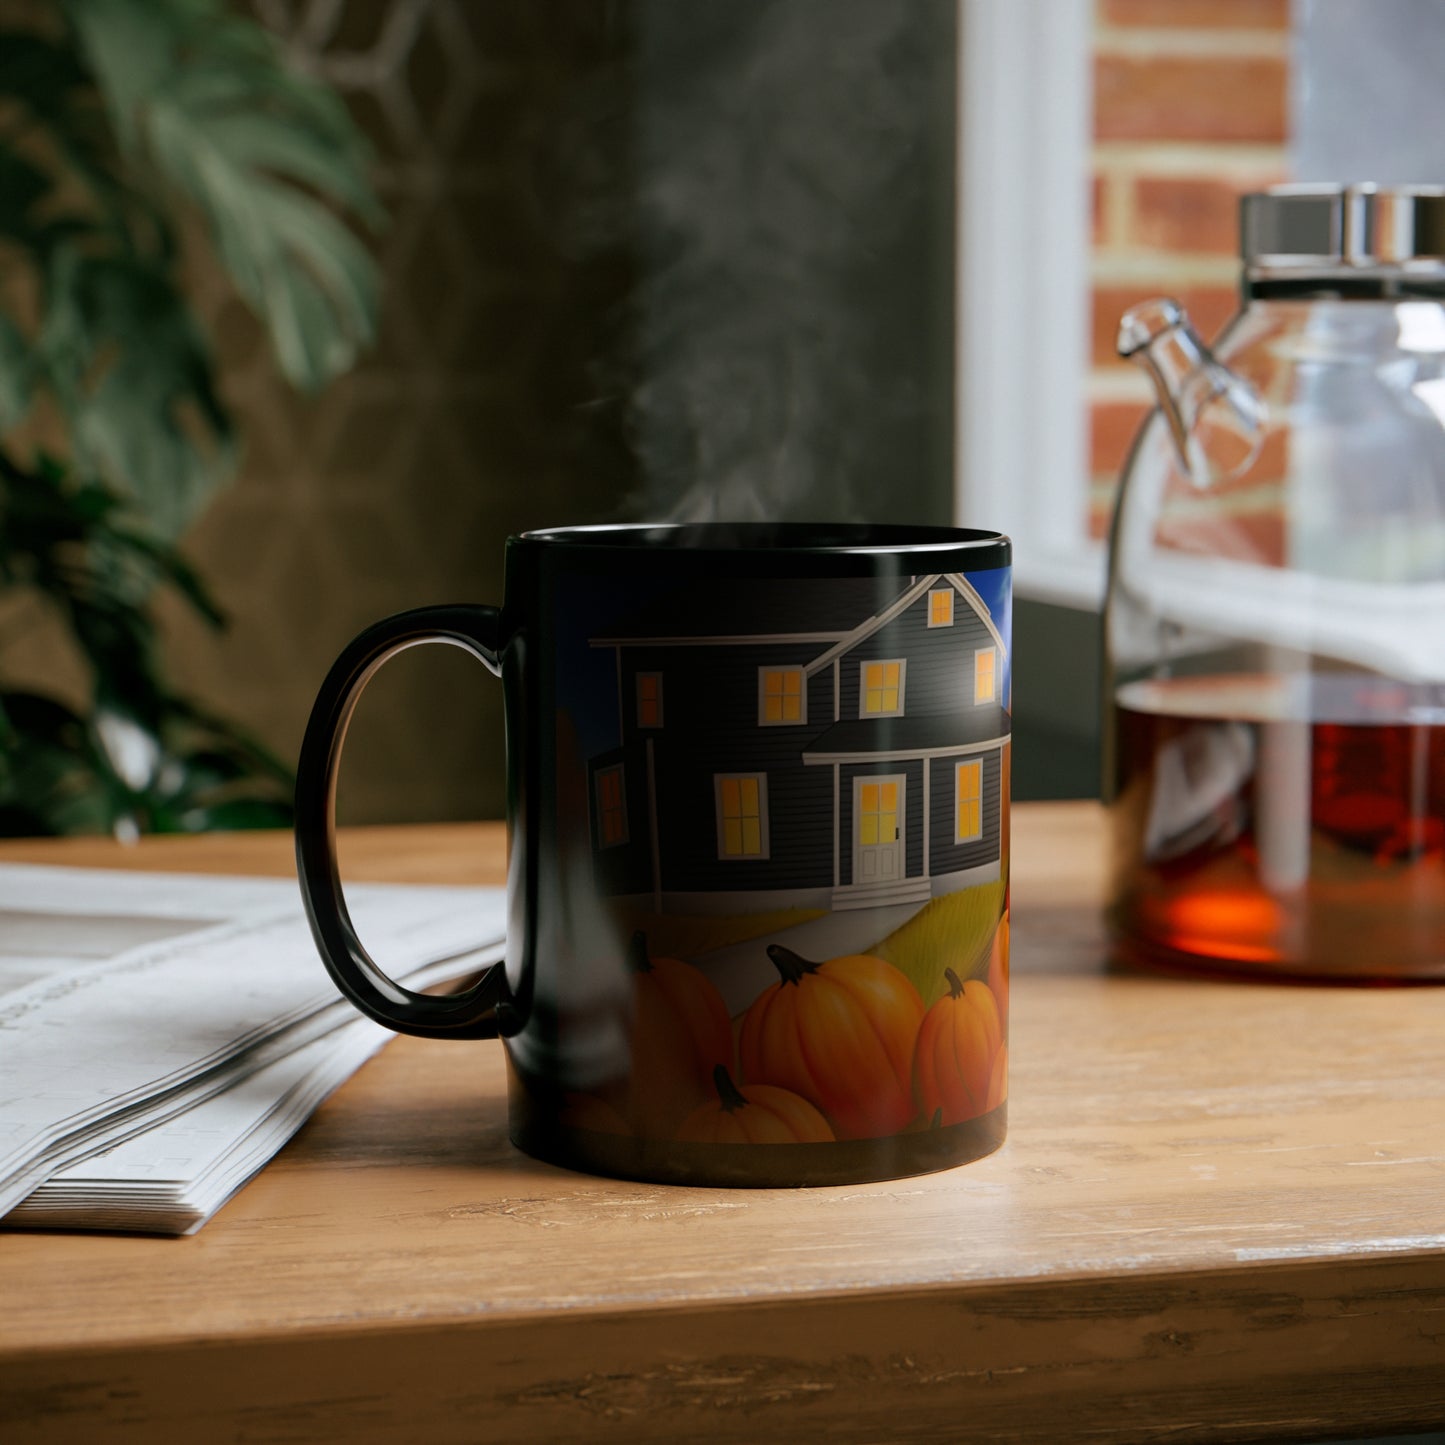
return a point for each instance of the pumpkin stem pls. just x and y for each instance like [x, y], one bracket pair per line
[792, 966]
[955, 984]
[727, 1091]
[638, 958]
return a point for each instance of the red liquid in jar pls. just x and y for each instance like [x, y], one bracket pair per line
[1281, 825]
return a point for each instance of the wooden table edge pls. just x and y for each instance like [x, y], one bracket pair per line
[1117, 1358]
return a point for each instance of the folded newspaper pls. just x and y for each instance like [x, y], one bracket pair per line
[162, 1035]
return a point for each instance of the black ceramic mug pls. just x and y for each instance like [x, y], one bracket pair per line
[758, 874]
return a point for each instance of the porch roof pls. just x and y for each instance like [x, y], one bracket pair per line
[910, 737]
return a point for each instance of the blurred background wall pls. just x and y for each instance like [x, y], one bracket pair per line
[645, 258]
[672, 258]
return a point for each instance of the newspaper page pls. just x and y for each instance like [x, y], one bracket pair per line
[129, 999]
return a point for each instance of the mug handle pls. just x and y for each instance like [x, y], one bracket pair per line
[467, 1015]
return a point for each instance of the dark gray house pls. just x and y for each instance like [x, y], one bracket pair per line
[854, 759]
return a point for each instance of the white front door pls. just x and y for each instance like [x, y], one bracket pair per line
[878, 828]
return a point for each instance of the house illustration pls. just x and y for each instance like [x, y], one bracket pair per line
[825, 753]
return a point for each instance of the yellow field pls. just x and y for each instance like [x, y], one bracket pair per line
[950, 932]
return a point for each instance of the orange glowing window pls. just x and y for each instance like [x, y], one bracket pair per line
[782, 696]
[985, 674]
[649, 699]
[611, 807]
[968, 796]
[940, 608]
[882, 689]
[877, 813]
[742, 815]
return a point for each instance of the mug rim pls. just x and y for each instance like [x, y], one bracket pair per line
[772, 539]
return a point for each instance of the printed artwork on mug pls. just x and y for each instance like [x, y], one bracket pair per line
[786, 803]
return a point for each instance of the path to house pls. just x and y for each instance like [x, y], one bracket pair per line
[743, 970]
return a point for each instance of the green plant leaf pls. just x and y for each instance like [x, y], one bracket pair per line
[129, 48]
[235, 813]
[133, 375]
[53, 91]
[72, 544]
[51, 784]
[218, 732]
[108, 122]
[22, 185]
[39, 73]
[171, 567]
[206, 100]
[17, 375]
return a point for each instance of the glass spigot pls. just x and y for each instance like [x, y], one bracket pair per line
[1216, 418]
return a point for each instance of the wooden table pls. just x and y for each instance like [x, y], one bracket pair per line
[1220, 1214]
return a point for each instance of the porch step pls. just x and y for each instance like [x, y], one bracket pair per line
[879, 895]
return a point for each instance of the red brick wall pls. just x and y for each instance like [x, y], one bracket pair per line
[1190, 111]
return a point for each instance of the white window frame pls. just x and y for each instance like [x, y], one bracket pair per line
[661, 704]
[993, 696]
[718, 779]
[602, 840]
[863, 667]
[952, 605]
[1023, 196]
[782, 722]
[959, 836]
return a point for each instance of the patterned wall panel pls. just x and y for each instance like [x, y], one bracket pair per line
[476, 416]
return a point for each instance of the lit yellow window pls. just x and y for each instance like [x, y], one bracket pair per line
[985, 668]
[877, 813]
[882, 688]
[611, 807]
[968, 791]
[940, 608]
[649, 699]
[782, 696]
[741, 815]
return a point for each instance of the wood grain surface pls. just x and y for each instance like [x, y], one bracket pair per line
[1220, 1214]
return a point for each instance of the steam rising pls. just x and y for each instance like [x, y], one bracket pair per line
[780, 188]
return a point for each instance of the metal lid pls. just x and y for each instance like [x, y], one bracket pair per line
[1331, 228]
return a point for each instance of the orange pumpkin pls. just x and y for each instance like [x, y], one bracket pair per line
[680, 1033]
[841, 1034]
[753, 1114]
[958, 1044]
[998, 970]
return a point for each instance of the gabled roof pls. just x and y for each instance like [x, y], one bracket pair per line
[956, 580]
[823, 610]
[969, 592]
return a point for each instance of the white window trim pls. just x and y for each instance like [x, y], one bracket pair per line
[952, 595]
[620, 770]
[763, 721]
[1024, 137]
[993, 696]
[959, 836]
[718, 779]
[863, 685]
[661, 702]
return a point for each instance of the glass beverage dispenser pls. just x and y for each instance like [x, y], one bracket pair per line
[1275, 624]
